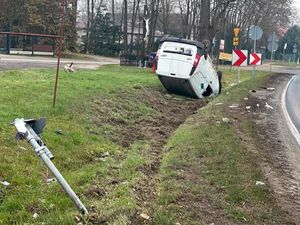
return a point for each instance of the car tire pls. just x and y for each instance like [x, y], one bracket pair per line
[220, 75]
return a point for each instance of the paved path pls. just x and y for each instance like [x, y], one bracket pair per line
[10, 62]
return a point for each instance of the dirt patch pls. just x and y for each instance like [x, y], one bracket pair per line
[157, 116]
[95, 191]
[145, 114]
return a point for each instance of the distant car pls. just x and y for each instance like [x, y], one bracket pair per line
[185, 68]
[151, 59]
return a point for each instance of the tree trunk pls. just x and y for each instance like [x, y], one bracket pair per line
[125, 26]
[87, 27]
[204, 28]
[113, 11]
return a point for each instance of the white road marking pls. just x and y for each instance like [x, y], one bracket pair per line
[289, 121]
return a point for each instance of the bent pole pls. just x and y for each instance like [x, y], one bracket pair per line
[26, 132]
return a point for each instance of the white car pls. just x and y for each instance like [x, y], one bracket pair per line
[184, 68]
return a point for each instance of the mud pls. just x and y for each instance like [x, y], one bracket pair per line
[129, 125]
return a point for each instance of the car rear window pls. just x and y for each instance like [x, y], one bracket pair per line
[177, 49]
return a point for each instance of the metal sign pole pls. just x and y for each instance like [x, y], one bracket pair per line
[255, 37]
[25, 131]
[59, 50]
[238, 77]
[272, 50]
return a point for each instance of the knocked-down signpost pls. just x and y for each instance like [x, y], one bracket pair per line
[239, 58]
[30, 130]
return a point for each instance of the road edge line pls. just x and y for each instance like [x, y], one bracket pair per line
[288, 119]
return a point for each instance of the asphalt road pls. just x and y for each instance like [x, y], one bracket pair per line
[293, 101]
[12, 62]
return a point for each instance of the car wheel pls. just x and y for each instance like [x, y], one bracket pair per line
[220, 75]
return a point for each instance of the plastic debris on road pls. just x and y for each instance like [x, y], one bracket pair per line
[219, 103]
[259, 183]
[5, 183]
[271, 89]
[234, 106]
[145, 216]
[225, 120]
[268, 106]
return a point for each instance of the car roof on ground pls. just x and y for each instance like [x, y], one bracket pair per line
[181, 40]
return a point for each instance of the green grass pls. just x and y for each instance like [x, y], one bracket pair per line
[28, 94]
[285, 63]
[86, 135]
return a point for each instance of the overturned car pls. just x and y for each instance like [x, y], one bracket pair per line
[185, 68]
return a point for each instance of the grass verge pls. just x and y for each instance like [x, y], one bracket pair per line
[209, 174]
[110, 121]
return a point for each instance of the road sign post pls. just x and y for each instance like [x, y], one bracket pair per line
[272, 46]
[255, 33]
[236, 32]
[295, 51]
[31, 130]
[239, 58]
[284, 48]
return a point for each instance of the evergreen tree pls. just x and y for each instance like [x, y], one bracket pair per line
[40, 16]
[104, 36]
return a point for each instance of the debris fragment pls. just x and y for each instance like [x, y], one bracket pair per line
[245, 99]
[248, 107]
[234, 106]
[145, 216]
[35, 215]
[259, 183]
[219, 103]
[5, 183]
[271, 89]
[50, 180]
[77, 219]
[268, 106]
[225, 120]
[105, 154]
[58, 131]
[257, 105]
[69, 68]
[21, 147]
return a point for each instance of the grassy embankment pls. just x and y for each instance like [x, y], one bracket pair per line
[209, 174]
[214, 153]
